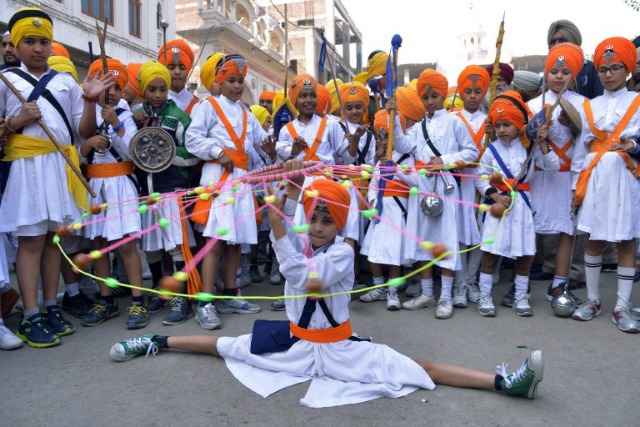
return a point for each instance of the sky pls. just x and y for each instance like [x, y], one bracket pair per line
[426, 25]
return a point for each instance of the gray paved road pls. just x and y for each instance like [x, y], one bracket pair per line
[591, 375]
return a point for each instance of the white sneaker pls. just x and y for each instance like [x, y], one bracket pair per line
[485, 305]
[521, 306]
[414, 288]
[8, 341]
[444, 309]
[245, 280]
[207, 317]
[418, 302]
[460, 296]
[473, 292]
[393, 301]
[378, 294]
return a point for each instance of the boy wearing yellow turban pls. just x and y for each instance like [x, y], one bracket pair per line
[42, 192]
[607, 189]
[439, 139]
[513, 236]
[178, 57]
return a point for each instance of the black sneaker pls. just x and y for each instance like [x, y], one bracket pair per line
[35, 332]
[56, 321]
[507, 300]
[156, 304]
[255, 274]
[180, 311]
[138, 317]
[99, 312]
[77, 305]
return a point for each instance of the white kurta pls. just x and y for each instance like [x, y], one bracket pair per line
[183, 99]
[551, 195]
[384, 243]
[345, 372]
[37, 188]
[119, 192]
[205, 139]
[611, 205]
[469, 231]
[451, 137]
[514, 236]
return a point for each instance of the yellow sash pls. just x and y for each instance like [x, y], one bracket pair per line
[23, 146]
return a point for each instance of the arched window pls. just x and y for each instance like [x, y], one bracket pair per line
[134, 18]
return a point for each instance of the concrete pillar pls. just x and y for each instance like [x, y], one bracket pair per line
[346, 43]
[359, 56]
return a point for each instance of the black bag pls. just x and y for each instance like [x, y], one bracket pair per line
[271, 336]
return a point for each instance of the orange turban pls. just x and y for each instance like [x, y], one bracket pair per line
[435, 80]
[267, 95]
[354, 92]
[616, 49]
[509, 106]
[409, 103]
[381, 123]
[332, 197]
[324, 100]
[230, 65]
[300, 83]
[59, 50]
[565, 54]
[133, 69]
[113, 65]
[474, 75]
[177, 51]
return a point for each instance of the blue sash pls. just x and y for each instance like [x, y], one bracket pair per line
[508, 173]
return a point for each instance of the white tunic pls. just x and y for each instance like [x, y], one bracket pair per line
[119, 192]
[470, 232]
[183, 99]
[384, 242]
[514, 236]
[611, 205]
[344, 372]
[551, 191]
[451, 138]
[37, 188]
[205, 139]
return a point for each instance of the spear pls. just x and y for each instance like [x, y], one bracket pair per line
[496, 71]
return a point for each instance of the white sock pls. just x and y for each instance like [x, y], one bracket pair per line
[447, 284]
[49, 302]
[427, 287]
[557, 281]
[486, 283]
[625, 282]
[378, 280]
[461, 275]
[244, 263]
[522, 284]
[72, 289]
[473, 265]
[592, 266]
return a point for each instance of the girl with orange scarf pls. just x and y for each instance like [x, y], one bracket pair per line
[512, 236]
[606, 179]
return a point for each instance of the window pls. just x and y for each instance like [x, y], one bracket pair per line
[134, 18]
[99, 9]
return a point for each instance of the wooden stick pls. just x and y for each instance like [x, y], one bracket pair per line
[52, 137]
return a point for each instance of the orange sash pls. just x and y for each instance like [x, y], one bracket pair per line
[562, 154]
[194, 283]
[523, 186]
[240, 160]
[323, 336]
[601, 145]
[193, 102]
[109, 170]
[310, 152]
[396, 189]
[477, 137]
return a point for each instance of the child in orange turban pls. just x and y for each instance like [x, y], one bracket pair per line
[410, 105]
[513, 236]
[323, 107]
[432, 89]
[178, 58]
[58, 49]
[607, 189]
[132, 93]
[266, 100]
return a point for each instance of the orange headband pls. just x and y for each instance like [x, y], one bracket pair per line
[324, 100]
[332, 198]
[116, 67]
[565, 54]
[435, 80]
[409, 103]
[509, 106]
[474, 75]
[381, 123]
[298, 84]
[230, 65]
[59, 50]
[616, 49]
[177, 51]
[133, 69]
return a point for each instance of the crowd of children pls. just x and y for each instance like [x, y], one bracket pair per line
[441, 181]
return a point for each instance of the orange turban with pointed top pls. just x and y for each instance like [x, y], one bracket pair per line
[409, 103]
[332, 197]
[324, 100]
[509, 106]
[59, 50]
[298, 84]
[177, 51]
[562, 54]
[116, 67]
[133, 69]
[381, 122]
[616, 49]
[230, 65]
[435, 80]
[474, 75]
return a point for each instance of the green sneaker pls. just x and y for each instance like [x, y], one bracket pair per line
[523, 382]
[132, 347]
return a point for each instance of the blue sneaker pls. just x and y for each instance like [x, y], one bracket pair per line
[56, 321]
[180, 311]
[207, 317]
[99, 312]
[156, 304]
[138, 317]
[35, 332]
[238, 305]
[132, 347]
